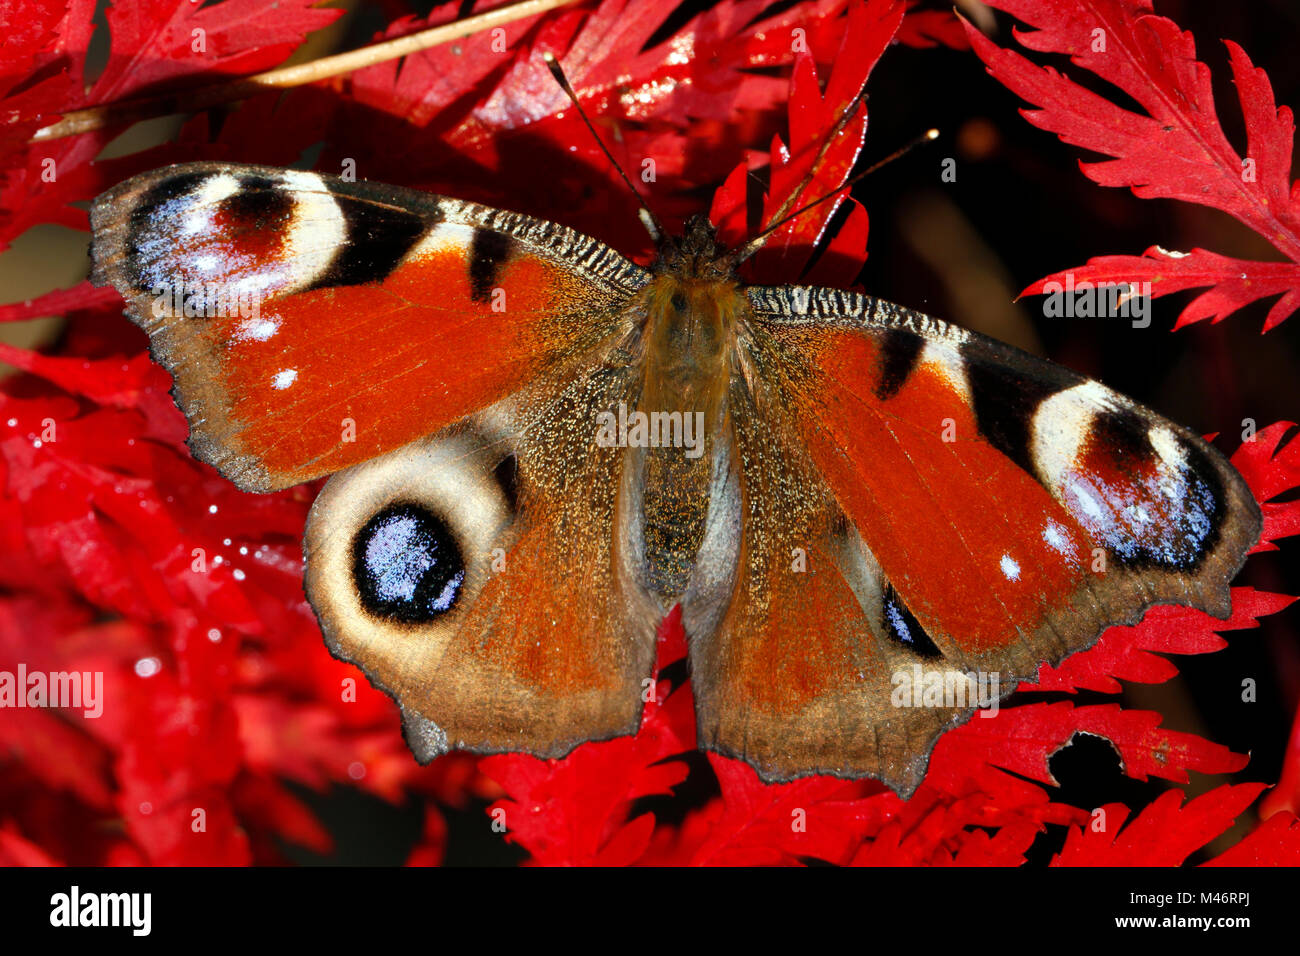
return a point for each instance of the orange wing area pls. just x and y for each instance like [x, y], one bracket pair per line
[796, 678]
[952, 506]
[311, 324]
[943, 511]
[388, 362]
[996, 489]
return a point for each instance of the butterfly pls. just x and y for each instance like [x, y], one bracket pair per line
[538, 447]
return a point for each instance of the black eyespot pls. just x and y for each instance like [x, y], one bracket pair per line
[903, 627]
[258, 204]
[679, 302]
[406, 565]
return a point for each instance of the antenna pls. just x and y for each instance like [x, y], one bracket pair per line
[647, 217]
[827, 141]
[751, 247]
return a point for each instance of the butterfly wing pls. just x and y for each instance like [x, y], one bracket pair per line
[546, 637]
[960, 508]
[312, 323]
[449, 361]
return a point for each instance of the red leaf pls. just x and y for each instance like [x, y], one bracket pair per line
[1022, 738]
[274, 809]
[16, 851]
[433, 840]
[1235, 282]
[1005, 848]
[814, 165]
[1285, 797]
[1275, 842]
[1125, 653]
[927, 28]
[820, 817]
[1272, 469]
[83, 296]
[1164, 834]
[1172, 147]
[939, 831]
[150, 44]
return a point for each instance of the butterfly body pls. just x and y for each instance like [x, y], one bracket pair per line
[539, 447]
[692, 308]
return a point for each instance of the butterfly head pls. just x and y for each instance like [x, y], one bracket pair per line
[695, 254]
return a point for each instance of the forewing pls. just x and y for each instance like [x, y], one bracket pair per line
[312, 323]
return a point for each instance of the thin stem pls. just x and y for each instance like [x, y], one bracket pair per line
[190, 101]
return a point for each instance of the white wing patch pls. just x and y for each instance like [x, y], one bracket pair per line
[316, 232]
[1062, 425]
[444, 237]
[947, 362]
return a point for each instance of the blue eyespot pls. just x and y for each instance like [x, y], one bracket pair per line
[901, 626]
[406, 565]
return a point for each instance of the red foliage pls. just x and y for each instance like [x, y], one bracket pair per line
[120, 554]
[1174, 148]
[1164, 834]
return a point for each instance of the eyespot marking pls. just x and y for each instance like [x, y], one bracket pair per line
[221, 238]
[406, 565]
[900, 625]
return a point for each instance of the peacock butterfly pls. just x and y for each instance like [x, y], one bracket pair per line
[538, 447]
